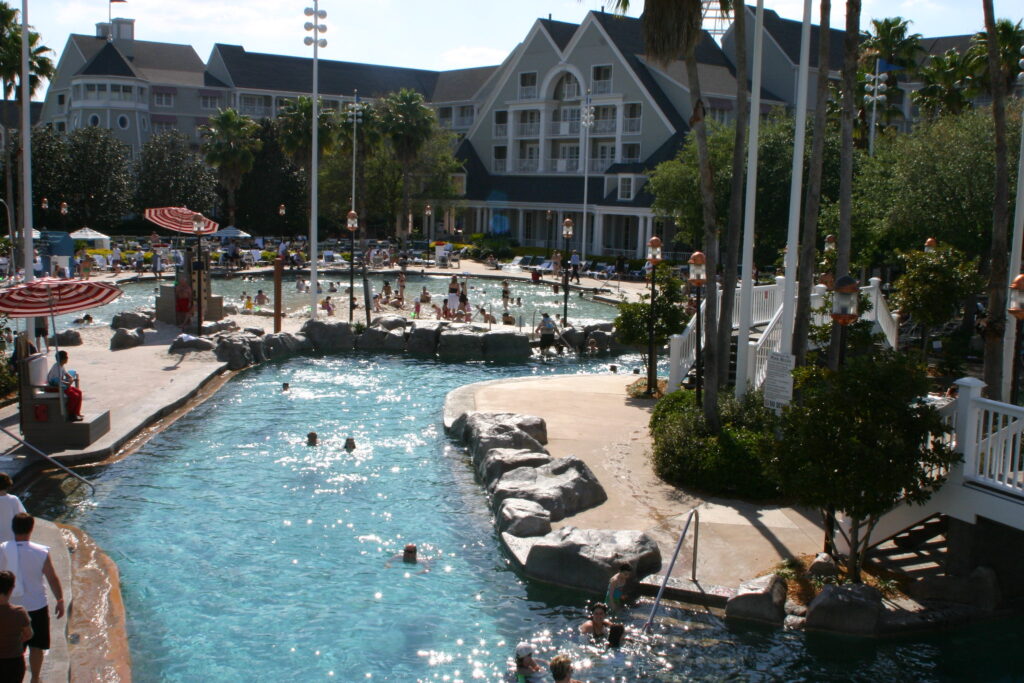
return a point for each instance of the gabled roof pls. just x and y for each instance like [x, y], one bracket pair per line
[628, 35]
[107, 62]
[938, 45]
[460, 84]
[786, 32]
[561, 32]
[665, 152]
[261, 71]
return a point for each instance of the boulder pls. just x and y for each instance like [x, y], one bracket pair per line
[328, 337]
[190, 343]
[523, 518]
[68, 338]
[281, 345]
[460, 344]
[258, 331]
[760, 599]
[390, 322]
[423, 339]
[980, 589]
[240, 350]
[484, 431]
[506, 345]
[587, 558]
[371, 339]
[574, 337]
[598, 327]
[125, 339]
[604, 339]
[213, 327]
[854, 609]
[498, 461]
[563, 487]
[231, 309]
[469, 426]
[824, 566]
[394, 340]
[131, 320]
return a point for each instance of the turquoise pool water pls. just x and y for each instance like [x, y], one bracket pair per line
[247, 556]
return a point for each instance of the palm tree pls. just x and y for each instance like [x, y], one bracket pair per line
[368, 136]
[294, 124]
[1009, 38]
[998, 78]
[672, 29]
[230, 143]
[949, 84]
[40, 67]
[891, 40]
[407, 123]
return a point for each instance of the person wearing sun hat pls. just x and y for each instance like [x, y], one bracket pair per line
[528, 669]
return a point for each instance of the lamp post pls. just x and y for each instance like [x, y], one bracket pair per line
[281, 211]
[64, 216]
[198, 266]
[875, 88]
[844, 309]
[428, 211]
[586, 121]
[653, 257]
[698, 275]
[354, 115]
[566, 236]
[1017, 311]
[353, 225]
[551, 228]
[317, 42]
[44, 204]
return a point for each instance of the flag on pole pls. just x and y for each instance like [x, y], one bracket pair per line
[883, 65]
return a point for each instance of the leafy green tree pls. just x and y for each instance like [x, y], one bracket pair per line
[948, 84]
[633, 322]
[861, 441]
[49, 174]
[407, 124]
[273, 181]
[230, 143]
[101, 187]
[1009, 37]
[170, 174]
[295, 131]
[934, 284]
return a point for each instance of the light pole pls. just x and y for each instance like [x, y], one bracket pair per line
[586, 121]
[353, 225]
[875, 88]
[551, 229]
[281, 211]
[698, 275]
[64, 216]
[566, 236]
[653, 257]
[1017, 311]
[354, 115]
[844, 309]
[44, 204]
[199, 266]
[317, 42]
[428, 211]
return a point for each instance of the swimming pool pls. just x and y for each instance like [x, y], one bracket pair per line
[246, 555]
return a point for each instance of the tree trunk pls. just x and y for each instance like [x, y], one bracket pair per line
[231, 204]
[993, 360]
[853, 560]
[849, 110]
[707, 192]
[405, 202]
[812, 203]
[733, 229]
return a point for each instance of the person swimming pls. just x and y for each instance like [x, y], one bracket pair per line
[597, 625]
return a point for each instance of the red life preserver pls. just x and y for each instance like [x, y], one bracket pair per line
[42, 412]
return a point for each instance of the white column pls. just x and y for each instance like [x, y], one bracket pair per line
[26, 154]
[1010, 333]
[795, 187]
[598, 233]
[744, 358]
[520, 227]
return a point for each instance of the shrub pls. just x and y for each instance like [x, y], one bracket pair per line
[686, 453]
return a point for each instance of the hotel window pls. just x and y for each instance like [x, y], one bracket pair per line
[163, 99]
[209, 102]
[632, 116]
[631, 152]
[120, 92]
[625, 188]
[163, 126]
[465, 116]
[601, 79]
[95, 91]
[94, 120]
[501, 159]
[501, 124]
[528, 86]
[122, 122]
[60, 100]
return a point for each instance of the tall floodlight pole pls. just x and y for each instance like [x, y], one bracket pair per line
[1010, 332]
[747, 275]
[354, 116]
[317, 42]
[875, 88]
[795, 187]
[586, 121]
[26, 151]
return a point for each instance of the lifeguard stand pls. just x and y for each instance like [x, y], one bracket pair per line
[43, 419]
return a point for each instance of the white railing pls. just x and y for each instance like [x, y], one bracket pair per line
[995, 460]
[527, 165]
[501, 130]
[604, 126]
[601, 87]
[500, 165]
[464, 121]
[880, 312]
[563, 165]
[567, 128]
[683, 350]
[771, 340]
[528, 129]
[631, 125]
[527, 92]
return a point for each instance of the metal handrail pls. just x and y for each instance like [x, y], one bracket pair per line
[51, 460]
[693, 569]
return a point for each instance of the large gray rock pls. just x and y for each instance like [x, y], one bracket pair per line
[522, 518]
[853, 609]
[68, 338]
[423, 339]
[485, 431]
[131, 320]
[231, 309]
[126, 339]
[390, 322]
[604, 339]
[470, 425]
[460, 344]
[240, 349]
[371, 339]
[574, 337]
[282, 345]
[394, 340]
[258, 331]
[587, 558]
[824, 566]
[598, 327]
[213, 327]
[192, 344]
[328, 337]
[563, 487]
[498, 461]
[506, 345]
[760, 599]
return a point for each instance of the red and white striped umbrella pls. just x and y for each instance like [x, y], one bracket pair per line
[181, 219]
[53, 296]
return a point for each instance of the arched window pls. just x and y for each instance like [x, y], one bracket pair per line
[567, 88]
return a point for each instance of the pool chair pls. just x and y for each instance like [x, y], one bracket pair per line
[513, 265]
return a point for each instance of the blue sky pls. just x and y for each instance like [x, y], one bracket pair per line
[443, 34]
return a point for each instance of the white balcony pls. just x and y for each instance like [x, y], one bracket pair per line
[599, 165]
[256, 112]
[527, 165]
[501, 130]
[601, 87]
[528, 130]
[570, 91]
[631, 125]
[500, 165]
[563, 165]
[604, 126]
[527, 92]
[464, 122]
[566, 128]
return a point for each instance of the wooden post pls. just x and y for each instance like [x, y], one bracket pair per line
[278, 270]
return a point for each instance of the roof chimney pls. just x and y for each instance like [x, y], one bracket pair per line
[549, 16]
[102, 29]
[124, 29]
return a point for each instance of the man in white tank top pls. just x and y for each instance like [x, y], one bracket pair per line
[10, 505]
[30, 563]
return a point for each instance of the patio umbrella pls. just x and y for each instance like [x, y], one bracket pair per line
[230, 231]
[181, 219]
[53, 296]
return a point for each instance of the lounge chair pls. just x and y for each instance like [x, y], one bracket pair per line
[513, 264]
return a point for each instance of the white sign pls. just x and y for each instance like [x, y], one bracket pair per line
[778, 381]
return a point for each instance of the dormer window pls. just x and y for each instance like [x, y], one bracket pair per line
[528, 86]
[601, 79]
[626, 188]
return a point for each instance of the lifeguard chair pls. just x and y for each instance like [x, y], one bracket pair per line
[44, 422]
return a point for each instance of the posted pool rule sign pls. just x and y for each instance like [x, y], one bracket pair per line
[778, 380]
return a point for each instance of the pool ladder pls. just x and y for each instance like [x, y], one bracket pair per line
[694, 514]
[52, 461]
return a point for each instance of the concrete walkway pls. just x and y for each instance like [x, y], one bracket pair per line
[592, 418]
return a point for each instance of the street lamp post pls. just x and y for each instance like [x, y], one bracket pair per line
[64, 216]
[198, 266]
[844, 309]
[317, 42]
[875, 88]
[566, 236]
[551, 229]
[428, 211]
[353, 225]
[1017, 311]
[653, 257]
[697, 277]
[354, 115]
[586, 121]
